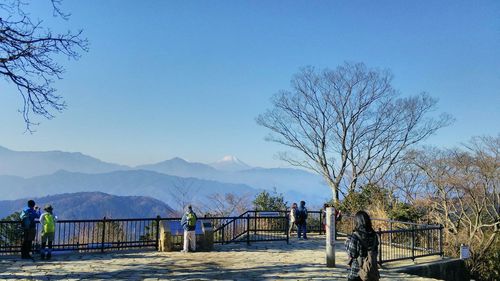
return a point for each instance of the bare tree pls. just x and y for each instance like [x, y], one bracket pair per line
[348, 124]
[28, 54]
[183, 192]
[228, 204]
[465, 195]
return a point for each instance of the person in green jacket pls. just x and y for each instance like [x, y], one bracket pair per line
[48, 225]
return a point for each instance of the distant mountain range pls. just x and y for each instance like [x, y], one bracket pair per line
[94, 205]
[54, 172]
[38, 163]
[169, 189]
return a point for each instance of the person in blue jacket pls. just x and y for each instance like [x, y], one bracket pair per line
[28, 217]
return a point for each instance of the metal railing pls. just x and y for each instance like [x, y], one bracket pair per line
[88, 235]
[398, 240]
[99, 235]
[401, 240]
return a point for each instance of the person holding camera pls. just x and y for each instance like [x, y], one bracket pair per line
[28, 217]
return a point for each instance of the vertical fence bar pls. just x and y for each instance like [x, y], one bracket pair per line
[320, 222]
[390, 234]
[441, 253]
[157, 243]
[413, 243]
[380, 246]
[287, 227]
[255, 223]
[223, 230]
[248, 229]
[103, 234]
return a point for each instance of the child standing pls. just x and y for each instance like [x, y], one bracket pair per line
[48, 223]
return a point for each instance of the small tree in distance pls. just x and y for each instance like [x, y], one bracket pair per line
[266, 201]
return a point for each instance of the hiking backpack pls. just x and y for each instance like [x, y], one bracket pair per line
[301, 216]
[49, 225]
[368, 267]
[191, 220]
[25, 220]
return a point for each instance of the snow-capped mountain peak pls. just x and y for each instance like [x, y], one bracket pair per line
[230, 163]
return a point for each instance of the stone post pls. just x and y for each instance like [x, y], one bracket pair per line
[165, 239]
[208, 235]
[330, 237]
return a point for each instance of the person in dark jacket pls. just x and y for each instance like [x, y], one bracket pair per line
[301, 219]
[188, 223]
[28, 217]
[363, 230]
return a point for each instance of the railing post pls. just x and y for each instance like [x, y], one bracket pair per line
[441, 252]
[222, 230]
[330, 237]
[380, 245]
[320, 222]
[103, 236]
[287, 227]
[390, 233]
[248, 229]
[255, 223]
[413, 243]
[157, 238]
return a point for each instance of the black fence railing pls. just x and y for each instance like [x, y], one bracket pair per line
[401, 240]
[88, 235]
[398, 240]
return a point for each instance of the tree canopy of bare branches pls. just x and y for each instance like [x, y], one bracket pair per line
[28, 52]
[349, 124]
[465, 195]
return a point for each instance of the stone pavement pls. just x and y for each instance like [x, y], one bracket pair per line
[300, 260]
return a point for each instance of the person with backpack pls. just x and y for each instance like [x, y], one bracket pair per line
[188, 223]
[48, 225]
[301, 220]
[362, 249]
[28, 224]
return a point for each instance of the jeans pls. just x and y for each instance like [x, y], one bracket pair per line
[302, 229]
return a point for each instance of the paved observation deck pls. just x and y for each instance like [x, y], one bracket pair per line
[299, 260]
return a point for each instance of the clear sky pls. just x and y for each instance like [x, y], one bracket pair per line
[187, 78]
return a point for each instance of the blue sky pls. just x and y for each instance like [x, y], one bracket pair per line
[178, 78]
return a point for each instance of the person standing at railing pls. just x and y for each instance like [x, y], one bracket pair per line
[292, 216]
[362, 250]
[28, 217]
[188, 223]
[301, 220]
[48, 225]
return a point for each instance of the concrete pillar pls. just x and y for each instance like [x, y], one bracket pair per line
[330, 237]
[208, 236]
[165, 241]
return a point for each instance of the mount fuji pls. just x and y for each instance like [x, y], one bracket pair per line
[230, 163]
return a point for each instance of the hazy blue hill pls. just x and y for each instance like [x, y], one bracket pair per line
[94, 205]
[295, 184]
[36, 163]
[133, 182]
[182, 168]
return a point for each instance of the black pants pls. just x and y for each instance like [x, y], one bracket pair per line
[355, 279]
[48, 251]
[28, 237]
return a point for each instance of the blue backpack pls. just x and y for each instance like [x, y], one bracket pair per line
[25, 219]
